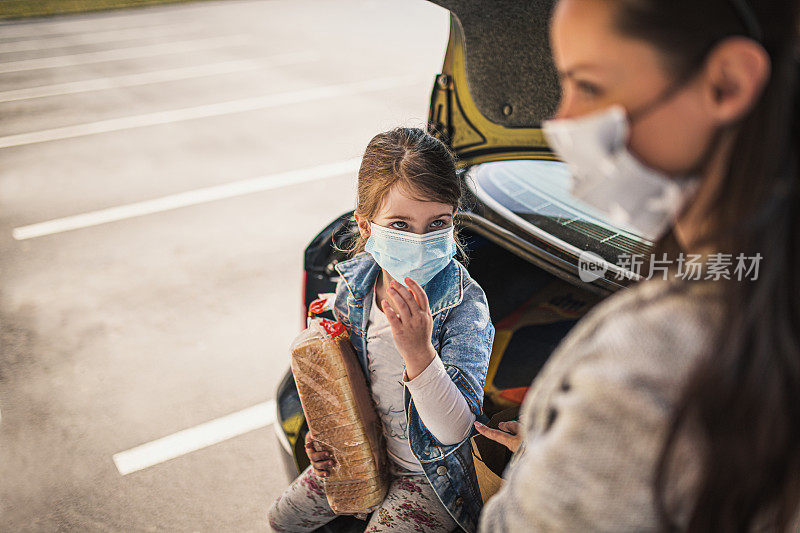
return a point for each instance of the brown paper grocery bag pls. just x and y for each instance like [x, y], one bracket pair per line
[491, 457]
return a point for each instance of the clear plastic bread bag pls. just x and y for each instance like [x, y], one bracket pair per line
[340, 412]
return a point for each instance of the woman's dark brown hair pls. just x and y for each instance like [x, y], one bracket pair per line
[417, 162]
[744, 397]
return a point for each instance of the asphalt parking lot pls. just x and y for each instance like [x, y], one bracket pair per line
[161, 171]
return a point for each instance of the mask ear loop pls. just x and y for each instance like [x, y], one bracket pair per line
[665, 95]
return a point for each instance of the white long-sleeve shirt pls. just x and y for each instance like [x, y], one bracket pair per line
[441, 406]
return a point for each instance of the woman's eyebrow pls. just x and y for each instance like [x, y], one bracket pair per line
[569, 73]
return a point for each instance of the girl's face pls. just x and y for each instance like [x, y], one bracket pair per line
[401, 212]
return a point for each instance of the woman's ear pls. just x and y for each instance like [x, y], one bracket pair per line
[363, 225]
[735, 75]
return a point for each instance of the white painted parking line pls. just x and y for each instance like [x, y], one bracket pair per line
[196, 438]
[195, 197]
[206, 111]
[48, 42]
[65, 27]
[132, 52]
[105, 36]
[156, 76]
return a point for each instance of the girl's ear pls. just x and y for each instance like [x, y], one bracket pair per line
[363, 225]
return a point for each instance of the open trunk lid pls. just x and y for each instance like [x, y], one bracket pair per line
[498, 81]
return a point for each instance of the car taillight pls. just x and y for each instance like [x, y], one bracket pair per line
[516, 395]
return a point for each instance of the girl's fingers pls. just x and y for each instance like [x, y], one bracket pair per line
[407, 296]
[399, 304]
[313, 454]
[419, 294]
[391, 316]
[322, 465]
[318, 457]
[320, 462]
[309, 443]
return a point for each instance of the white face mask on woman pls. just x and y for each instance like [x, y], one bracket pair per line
[608, 177]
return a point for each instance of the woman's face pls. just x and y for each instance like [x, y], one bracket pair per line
[599, 67]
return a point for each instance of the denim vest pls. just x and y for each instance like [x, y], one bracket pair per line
[462, 336]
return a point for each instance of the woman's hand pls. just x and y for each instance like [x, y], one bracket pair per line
[321, 461]
[509, 434]
[411, 325]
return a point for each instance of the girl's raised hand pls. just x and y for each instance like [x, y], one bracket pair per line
[412, 325]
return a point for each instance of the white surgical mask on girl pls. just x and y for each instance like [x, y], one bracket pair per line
[608, 177]
[402, 253]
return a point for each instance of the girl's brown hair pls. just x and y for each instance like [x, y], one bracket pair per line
[417, 162]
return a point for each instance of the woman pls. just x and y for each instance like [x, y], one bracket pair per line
[674, 404]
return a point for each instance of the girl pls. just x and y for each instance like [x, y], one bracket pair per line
[673, 405]
[421, 328]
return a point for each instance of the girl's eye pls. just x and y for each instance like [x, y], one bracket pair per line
[436, 224]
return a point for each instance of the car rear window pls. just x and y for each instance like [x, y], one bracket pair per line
[537, 194]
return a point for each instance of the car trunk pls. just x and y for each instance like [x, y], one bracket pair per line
[532, 310]
[498, 81]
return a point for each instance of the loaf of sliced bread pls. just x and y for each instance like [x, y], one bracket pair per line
[341, 417]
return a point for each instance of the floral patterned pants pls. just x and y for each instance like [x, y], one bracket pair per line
[411, 505]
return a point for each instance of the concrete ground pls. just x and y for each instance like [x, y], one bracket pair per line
[182, 157]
